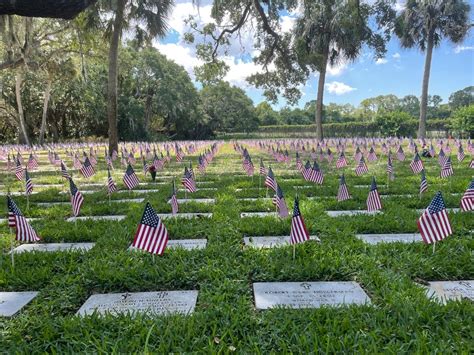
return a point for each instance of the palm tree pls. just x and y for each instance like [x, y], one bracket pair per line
[147, 19]
[424, 24]
[331, 31]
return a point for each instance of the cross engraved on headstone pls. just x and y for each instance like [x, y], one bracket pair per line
[305, 285]
[125, 296]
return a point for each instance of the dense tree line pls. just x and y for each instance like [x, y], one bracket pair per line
[70, 79]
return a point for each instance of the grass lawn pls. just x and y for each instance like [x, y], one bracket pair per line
[400, 319]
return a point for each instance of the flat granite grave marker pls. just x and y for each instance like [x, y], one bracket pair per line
[97, 218]
[258, 214]
[451, 290]
[271, 241]
[351, 213]
[12, 302]
[307, 294]
[187, 244]
[390, 238]
[52, 247]
[185, 215]
[155, 303]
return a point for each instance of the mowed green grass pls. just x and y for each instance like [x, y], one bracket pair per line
[401, 319]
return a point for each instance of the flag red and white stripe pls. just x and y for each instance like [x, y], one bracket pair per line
[151, 234]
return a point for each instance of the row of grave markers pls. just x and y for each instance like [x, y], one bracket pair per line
[267, 295]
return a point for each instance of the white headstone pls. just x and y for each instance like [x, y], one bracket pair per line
[187, 244]
[154, 303]
[307, 294]
[351, 213]
[258, 214]
[451, 290]
[52, 247]
[197, 200]
[97, 218]
[390, 238]
[4, 220]
[12, 302]
[271, 242]
[139, 191]
[185, 215]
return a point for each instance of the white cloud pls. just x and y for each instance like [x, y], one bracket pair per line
[458, 49]
[338, 88]
[182, 55]
[381, 61]
[396, 55]
[336, 70]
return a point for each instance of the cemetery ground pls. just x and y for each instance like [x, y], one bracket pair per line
[400, 318]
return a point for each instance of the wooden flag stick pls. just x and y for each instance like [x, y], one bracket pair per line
[434, 246]
[294, 252]
[259, 183]
[27, 202]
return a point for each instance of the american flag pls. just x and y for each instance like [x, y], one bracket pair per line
[416, 164]
[201, 164]
[29, 183]
[19, 172]
[109, 162]
[316, 174]
[343, 192]
[471, 164]
[87, 170]
[341, 161]
[248, 165]
[373, 200]
[77, 163]
[151, 234]
[279, 201]
[432, 151]
[298, 233]
[361, 167]
[262, 168]
[372, 156]
[32, 162]
[447, 169]
[442, 158]
[131, 159]
[307, 171]
[461, 154]
[299, 164]
[24, 232]
[188, 181]
[111, 186]
[174, 201]
[130, 179]
[423, 182]
[434, 224]
[64, 172]
[179, 154]
[400, 154]
[270, 180]
[76, 198]
[467, 200]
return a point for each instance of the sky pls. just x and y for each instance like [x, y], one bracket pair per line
[399, 73]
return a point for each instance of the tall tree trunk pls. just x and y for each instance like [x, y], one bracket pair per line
[148, 109]
[113, 72]
[319, 100]
[21, 116]
[424, 89]
[47, 95]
